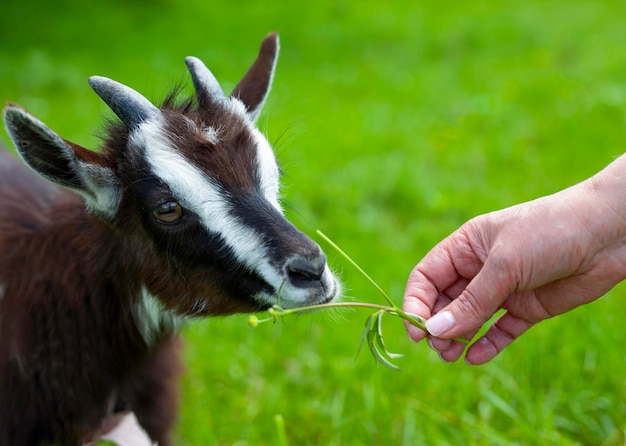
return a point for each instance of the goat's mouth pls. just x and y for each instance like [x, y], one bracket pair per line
[301, 290]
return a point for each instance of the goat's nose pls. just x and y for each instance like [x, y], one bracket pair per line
[305, 272]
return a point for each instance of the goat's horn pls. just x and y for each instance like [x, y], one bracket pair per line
[131, 107]
[208, 89]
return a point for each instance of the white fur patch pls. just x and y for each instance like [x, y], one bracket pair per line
[268, 169]
[104, 185]
[128, 432]
[151, 317]
[234, 105]
[211, 134]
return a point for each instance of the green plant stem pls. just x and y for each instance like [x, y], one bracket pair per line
[411, 318]
[353, 263]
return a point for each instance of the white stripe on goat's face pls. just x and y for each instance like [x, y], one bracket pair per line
[252, 236]
[269, 174]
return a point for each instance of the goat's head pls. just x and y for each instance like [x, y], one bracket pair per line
[194, 189]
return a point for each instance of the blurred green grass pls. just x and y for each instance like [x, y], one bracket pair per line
[395, 122]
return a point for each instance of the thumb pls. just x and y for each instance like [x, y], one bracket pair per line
[474, 306]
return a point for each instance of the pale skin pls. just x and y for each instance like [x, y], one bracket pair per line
[534, 261]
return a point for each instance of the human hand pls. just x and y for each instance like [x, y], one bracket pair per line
[535, 260]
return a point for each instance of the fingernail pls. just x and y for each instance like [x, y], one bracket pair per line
[440, 323]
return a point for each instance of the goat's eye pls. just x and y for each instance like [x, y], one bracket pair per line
[169, 212]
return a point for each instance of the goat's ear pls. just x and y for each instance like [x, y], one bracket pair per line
[255, 85]
[61, 161]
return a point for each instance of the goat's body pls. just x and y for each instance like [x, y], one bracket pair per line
[75, 358]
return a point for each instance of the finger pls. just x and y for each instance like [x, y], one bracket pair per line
[417, 307]
[452, 292]
[437, 344]
[420, 298]
[448, 349]
[455, 349]
[453, 353]
[500, 335]
[441, 302]
[476, 304]
[421, 292]
[433, 274]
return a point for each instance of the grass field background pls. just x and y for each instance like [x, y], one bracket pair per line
[395, 122]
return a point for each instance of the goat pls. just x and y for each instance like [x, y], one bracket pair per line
[105, 254]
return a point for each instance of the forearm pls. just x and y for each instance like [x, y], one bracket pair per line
[607, 218]
[609, 187]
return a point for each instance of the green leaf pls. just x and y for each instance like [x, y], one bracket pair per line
[381, 342]
[376, 344]
[368, 327]
[381, 357]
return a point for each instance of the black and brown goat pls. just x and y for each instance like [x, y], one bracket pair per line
[177, 216]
